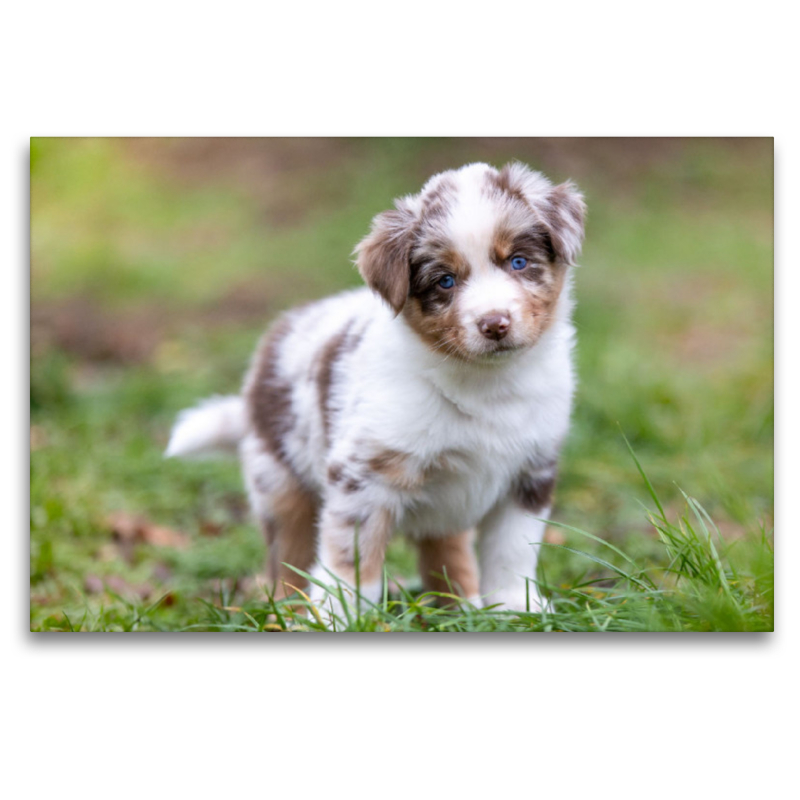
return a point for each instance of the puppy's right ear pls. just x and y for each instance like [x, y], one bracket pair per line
[383, 256]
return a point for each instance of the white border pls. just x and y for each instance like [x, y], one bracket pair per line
[193, 716]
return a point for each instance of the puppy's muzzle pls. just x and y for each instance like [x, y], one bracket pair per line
[495, 326]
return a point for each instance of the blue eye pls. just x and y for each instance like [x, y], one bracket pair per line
[447, 282]
[518, 262]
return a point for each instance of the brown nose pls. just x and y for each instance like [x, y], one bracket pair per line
[494, 326]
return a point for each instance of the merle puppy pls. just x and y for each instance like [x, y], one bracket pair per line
[434, 401]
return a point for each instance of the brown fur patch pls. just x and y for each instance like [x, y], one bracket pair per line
[440, 332]
[339, 538]
[502, 183]
[533, 490]
[268, 395]
[345, 481]
[396, 468]
[450, 558]
[383, 256]
[352, 520]
[290, 535]
[335, 473]
[447, 460]
[565, 215]
[433, 260]
[502, 245]
[436, 202]
[540, 302]
[399, 470]
[352, 485]
[565, 198]
[338, 345]
[432, 311]
[534, 243]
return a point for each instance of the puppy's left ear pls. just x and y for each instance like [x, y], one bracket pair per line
[383, 256]
[565, 212]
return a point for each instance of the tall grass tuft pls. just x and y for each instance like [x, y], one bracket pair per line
[700, 583]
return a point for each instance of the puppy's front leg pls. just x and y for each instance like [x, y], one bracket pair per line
[509, 543]
[350, 550]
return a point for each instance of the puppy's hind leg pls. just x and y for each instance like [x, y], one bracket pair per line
[287, 513]
[447, 564]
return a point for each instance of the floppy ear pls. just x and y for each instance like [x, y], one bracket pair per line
[564, 213]
[383, 256]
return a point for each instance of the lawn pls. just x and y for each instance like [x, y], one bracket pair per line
[156, 265]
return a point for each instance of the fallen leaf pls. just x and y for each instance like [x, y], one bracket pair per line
[132, 528]
[125, 527]
[164, 537]
[209, 528]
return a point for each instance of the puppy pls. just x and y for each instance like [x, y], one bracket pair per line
[435, 401]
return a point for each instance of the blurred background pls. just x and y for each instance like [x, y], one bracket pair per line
[157, 263]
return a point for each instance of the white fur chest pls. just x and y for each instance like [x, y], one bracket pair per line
[479, 456]
[466, 433]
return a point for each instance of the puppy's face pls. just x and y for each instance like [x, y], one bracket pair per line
[476, 261]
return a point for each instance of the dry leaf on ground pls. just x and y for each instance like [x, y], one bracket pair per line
[134, 528]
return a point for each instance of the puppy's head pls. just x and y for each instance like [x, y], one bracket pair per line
[476, 261]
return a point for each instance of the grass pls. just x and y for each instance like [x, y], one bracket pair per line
[698, 589]
[702, 584]
[155, 267]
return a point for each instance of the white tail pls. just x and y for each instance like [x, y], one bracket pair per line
[215, 426]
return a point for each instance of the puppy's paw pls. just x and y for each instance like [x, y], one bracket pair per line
[515, 600]
[336, 603]
[330, 610]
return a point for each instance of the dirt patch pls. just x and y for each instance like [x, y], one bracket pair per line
[706, 345]
[245, 160]
[91, 332]
[609, 162]
[620, 161]
[93, 584]
[128, 528]
[702, 334]
[82, 328]
[275, 172]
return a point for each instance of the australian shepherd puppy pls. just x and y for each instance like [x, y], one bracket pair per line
[434, 402]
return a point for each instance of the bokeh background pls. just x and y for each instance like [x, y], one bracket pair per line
[157, 263]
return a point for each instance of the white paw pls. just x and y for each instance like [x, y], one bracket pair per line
[515, 600]
[334, 607]
[328, 607]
